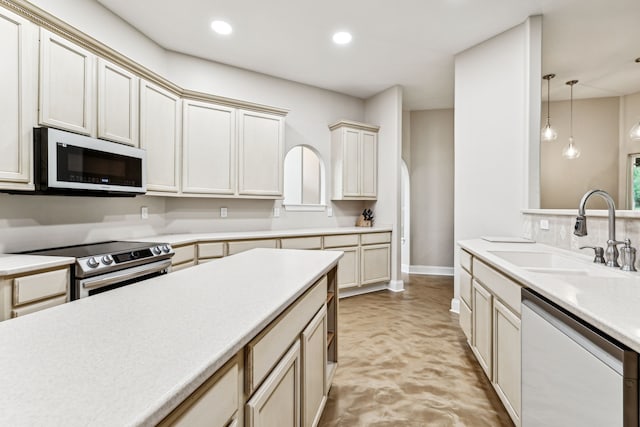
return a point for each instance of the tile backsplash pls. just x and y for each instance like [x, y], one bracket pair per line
[561, 223]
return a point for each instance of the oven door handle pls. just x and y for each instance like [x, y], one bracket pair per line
[130, 273]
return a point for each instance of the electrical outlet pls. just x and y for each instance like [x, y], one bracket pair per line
[329, 211]
[276, 212]
[223, 212]
[544, 224]
[144, 212]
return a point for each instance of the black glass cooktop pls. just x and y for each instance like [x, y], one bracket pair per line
[93, 249]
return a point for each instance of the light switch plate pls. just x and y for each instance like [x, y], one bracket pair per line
[276, 212]
[329, 211]
[544, 224]
[144, 212]
[223, 212]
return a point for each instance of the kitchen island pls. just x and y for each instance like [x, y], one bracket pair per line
[132, 355]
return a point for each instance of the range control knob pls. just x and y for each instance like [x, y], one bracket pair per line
[92, 262]
[107, 259]
[156, 250]
[166, 249]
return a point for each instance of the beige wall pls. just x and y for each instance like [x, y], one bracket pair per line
[630, 114]
[432, 178]
[595, 132]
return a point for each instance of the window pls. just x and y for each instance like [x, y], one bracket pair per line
[303, 180]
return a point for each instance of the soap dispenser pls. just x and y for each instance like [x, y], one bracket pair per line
[628, 256]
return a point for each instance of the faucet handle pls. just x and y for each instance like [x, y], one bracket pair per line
[599, 253]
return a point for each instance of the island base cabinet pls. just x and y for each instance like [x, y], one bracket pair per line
[216, 403]
[276, 403]
[506, 361]
[314, 369]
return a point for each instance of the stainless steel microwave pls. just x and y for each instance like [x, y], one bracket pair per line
[70, 164]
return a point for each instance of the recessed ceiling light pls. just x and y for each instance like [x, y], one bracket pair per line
[221, 27]
[342, 37]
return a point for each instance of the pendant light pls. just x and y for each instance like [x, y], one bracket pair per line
[634, 133]
[548, 133]
[570, 151]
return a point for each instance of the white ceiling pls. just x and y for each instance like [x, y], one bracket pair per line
[407, 42]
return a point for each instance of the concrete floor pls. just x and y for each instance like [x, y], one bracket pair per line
[404, 361]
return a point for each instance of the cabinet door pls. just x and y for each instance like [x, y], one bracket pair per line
[276, 403]
[208, 148]
[160, 136]
[351, 162]
[481, 313]
[260, 154]
[18, 68]
[375, 265]
[369, 164]
[67, 85]
[348, 267]
[118, 104]
[314, 369]
[506, 358]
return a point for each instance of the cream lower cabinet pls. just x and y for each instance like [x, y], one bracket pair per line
[277, 402]
[216, 403]
[18, 103]
[33, 291]
[235, 247]
[495, 314]
[208, 251]
[184, 257]
[314, 369]
[375, 263]
[349, 267]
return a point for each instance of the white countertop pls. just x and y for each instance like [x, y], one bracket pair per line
[15, 264]
[186, 238]
[611, 304]
[129, 356]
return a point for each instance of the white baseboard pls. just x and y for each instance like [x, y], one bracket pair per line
[396, 286]
[431, 270]
[455, 305]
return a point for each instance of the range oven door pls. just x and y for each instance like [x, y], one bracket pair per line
[117, 279]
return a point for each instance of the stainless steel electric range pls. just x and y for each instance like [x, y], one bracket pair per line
[104, 266]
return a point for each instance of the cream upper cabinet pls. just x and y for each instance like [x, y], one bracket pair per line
[354, 160]
[67, 85]
[208, 148]
[118, 104]
[18, 86]
[260, 154]
[160, 136]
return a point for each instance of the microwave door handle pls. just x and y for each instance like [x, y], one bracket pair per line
[131, 273]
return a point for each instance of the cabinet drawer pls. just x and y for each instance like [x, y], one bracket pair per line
[38, 286]
[341, 240]
[210, 250]
[32, 308]
[182, 266]
[465, 260]
[314, 242]
[213, 404]
[245, 245]
[465, 286]
[264, 351]
[501, 286]
[375, 238]
[183, 254]
[465, 320]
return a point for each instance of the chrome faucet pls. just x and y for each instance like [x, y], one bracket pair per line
[580, 229]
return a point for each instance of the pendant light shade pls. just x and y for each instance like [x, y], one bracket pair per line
[571, 151]
[634, 134]
[548, 133]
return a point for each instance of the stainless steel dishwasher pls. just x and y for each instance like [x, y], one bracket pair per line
[572, 374]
